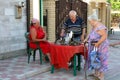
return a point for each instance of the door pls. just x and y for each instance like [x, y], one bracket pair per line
[62, 9]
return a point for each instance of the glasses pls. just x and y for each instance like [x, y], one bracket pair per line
[34, 23]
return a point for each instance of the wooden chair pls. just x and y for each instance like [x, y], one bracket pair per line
[30, 50]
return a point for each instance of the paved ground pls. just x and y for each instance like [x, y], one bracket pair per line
[112, 74]
[18, 68]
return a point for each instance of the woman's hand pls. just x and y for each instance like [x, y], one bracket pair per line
[96, 45]
[44, 39]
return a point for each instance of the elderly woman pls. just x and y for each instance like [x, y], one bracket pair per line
[98, 38]
[37, 34]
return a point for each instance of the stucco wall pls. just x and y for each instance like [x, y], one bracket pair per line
[11, 29]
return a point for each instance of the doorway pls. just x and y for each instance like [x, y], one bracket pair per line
[62, 9]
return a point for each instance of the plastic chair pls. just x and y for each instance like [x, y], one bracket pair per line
[30, 50]
[74, 65]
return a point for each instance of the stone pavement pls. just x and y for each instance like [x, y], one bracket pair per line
[112, 74]
[18, 68]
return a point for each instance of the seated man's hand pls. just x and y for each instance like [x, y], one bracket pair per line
[62, 33]
[82, 38]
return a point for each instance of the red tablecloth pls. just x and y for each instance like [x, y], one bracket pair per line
[61, 54]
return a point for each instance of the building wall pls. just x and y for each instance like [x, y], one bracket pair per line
[103, 12]
[12, 40]
[31, 9]
[89, 13]
[49, 5]
[11, 29]
[108, 16]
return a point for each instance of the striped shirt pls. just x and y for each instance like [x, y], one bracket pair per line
[76, 27]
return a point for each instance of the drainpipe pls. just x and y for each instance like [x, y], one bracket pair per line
[28, 14]
[41, 11]
[27, 18]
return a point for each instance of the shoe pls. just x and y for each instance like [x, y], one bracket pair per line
[70, 65]
[78, 68]
[46, 58]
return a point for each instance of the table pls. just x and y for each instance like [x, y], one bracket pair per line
[61, 55]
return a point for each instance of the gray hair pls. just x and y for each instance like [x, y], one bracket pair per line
[73, 12]
[94, 16]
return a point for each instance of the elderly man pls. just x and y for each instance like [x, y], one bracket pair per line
[75, 24]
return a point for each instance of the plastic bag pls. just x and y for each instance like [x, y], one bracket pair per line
[95, 62]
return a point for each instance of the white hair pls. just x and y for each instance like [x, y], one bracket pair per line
[94, 16]
[73, 12]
